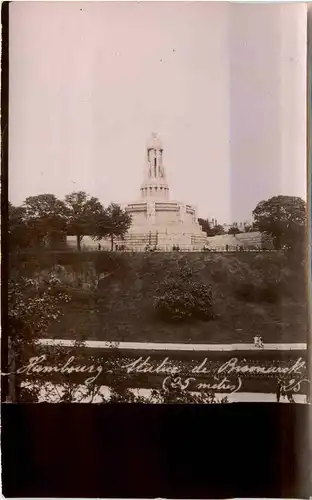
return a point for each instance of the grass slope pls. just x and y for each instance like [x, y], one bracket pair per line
[122, 309]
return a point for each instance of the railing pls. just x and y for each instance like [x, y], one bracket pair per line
[140, 249]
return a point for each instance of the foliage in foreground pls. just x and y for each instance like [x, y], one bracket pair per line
[32, 308]
[73, 393]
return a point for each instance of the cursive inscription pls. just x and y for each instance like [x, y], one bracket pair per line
[183, 384]
[230, 367]
[177, 383]
[294, 385]
[141, 365]
[205, 375]
[35, 366]
[233, 367]
[223, 385]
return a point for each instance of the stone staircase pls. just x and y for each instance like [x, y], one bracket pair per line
[163, 241]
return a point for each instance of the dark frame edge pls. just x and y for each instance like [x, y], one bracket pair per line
[4, 191]
[309, 196]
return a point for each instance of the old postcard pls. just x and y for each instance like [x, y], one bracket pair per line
[157, 221]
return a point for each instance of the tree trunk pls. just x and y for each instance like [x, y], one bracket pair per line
[112, 242]
[78, 242]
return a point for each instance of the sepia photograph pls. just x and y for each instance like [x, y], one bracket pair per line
[157, 215]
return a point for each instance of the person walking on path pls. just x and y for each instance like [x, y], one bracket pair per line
[258, 341]
[290, 396]
[278, 391]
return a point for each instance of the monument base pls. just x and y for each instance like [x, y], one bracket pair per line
[164, 239]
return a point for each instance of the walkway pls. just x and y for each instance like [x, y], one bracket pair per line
[153, 346]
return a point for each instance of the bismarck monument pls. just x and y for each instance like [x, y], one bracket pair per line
[157, 220]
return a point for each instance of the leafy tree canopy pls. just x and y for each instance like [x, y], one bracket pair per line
[217, 230]
[234, 229]
[210, 231]
[205, 225]
[44, 206]
[83, 213]
[18, 237]
[283, 218]
[46, 217]
[114, 222]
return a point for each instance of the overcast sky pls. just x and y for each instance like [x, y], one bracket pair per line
[222, 84]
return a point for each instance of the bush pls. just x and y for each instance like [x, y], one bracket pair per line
[175, 307]
[182, 298]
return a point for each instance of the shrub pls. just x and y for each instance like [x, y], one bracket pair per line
[182, 298]
[176, 307]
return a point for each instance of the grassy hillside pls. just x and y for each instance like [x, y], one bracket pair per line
[255, 293]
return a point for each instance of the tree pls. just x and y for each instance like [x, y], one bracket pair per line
[83, 214]
[284, 219]
[234, 230]
[248, 228]
[210, 231]
[114, 222]
[17, 229]
[46, 218]
[217, 230]
[205, 225]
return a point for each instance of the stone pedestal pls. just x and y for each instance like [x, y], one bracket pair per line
[157, 220]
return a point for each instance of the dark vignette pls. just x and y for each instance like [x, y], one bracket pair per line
[149, 451]
[4, 190]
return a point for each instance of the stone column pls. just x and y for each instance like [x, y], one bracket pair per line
[151, 212]
[182, 213]
[158, 164]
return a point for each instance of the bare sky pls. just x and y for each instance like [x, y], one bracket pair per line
[223, 85]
